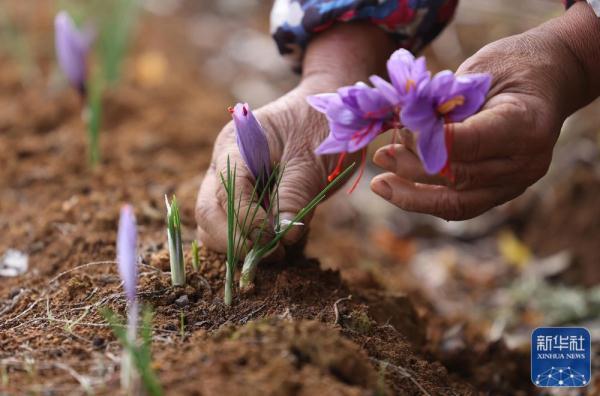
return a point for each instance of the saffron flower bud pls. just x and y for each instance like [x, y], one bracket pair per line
[127, 252]
[72, 50]
[252, 142]
[127, 264]
[445, 99]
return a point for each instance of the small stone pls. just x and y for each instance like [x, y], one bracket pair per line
[183, 301]
[98, 342]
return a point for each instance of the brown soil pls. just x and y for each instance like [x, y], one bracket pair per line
[285, 338]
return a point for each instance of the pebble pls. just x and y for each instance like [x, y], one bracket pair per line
[98, 342]
[183, 301]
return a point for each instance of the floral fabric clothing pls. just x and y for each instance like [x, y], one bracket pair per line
[412, 23]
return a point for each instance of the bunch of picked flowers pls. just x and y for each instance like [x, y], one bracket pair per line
[425, 105]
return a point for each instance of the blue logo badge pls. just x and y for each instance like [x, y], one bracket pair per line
[560, 357]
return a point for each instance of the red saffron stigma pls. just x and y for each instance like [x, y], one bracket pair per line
[338, 168]
[363, 161]
[230, 110]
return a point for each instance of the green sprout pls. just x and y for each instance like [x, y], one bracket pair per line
[175, 244]
[195, 256]
[229, 184]
[258, 252]
[94, 120]
[236, 240]
[140, 353]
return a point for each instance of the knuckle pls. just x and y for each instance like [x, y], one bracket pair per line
[464, 178]
[450, 206]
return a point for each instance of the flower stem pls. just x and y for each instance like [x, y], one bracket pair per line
[95, 119]
[228, 284]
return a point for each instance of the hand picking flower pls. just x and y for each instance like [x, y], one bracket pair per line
[358, 114]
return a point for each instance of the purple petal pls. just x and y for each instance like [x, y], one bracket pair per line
[252, 142]
[345, 132]
[373, 104]
[127, 251]
[331, 146]
[442, 85]
[340, 113]
[355, 115]
[321, 102]
[406, 71]
[474, 88]
[431, 145]
[72, 48]
[365, 102]
[362, 141]
[386, 89]
[420, 117]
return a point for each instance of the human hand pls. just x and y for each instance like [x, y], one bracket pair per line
[293, 131]
[499, 152]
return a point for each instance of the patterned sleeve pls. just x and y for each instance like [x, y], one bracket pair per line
[412, 23]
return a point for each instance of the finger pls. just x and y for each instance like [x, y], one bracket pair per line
[300, 183]
[398, 159]
[489, 173]
[466, 175]
[407, 139]
[495, 132]
[440, 201]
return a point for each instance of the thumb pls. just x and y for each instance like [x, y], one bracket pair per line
[300, 183]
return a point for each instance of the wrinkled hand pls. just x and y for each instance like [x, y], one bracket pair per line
[293, 130]
[499, 152]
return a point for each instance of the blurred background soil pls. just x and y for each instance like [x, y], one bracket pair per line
[436, 308]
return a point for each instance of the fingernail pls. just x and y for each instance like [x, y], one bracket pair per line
[384, 159]
[295, 232]
[382, 189]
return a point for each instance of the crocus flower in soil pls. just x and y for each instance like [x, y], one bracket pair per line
[127, 251]
[252, 142]
[406, 74]
[445, 99]
[357, 114]
[127, 263]
[72, 50]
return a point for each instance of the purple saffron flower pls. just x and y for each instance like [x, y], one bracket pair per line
[446, 98]
[356, 115]
[72, 49]
[406, 74]
[127, 252]
[252, 142]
